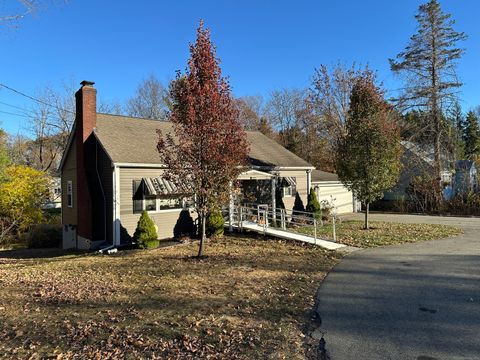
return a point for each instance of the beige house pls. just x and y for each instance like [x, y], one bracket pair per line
[111, 172]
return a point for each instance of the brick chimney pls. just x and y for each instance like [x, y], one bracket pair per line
[85, 122]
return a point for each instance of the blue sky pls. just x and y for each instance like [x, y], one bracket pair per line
[263, 45]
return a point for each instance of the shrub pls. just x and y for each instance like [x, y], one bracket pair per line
[44, 236]
[313, 206]
[23, 191]
[215, 223]
[424, 194]
[464, 204]
[52, 216]
[326, 207]
[145, 235]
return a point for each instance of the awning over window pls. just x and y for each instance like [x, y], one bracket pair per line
[289, 181]
[161, 187]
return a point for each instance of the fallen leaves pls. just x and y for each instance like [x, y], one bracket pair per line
[161, 304]
[382, 233]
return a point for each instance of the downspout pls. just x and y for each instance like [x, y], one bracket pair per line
[116, 207]
[309, 181]
[103, 194]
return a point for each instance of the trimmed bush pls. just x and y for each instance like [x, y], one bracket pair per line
[313, 206]
[145, 235]
[44, 236]
[215, 223]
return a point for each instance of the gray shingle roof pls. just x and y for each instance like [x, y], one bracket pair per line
[319, 175]
[134, 140]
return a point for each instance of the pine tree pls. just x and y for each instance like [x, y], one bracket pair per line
[368, 156]
[471, 135]
[429, 65]
[313, 205]
[146, 234]
[457, 124]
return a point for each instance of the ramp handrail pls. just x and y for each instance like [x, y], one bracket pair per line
[265, 216]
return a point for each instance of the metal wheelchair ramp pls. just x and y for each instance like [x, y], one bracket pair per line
[276, 223]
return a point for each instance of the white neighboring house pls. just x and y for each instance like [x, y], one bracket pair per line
[417, 160]
[328, 188]
[465, 180]
[55, 198]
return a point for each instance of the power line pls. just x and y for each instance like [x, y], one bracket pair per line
[26, 111]
[14, 114]
[29, 114]
[34, 99]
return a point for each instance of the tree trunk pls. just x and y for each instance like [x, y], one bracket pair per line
[367, 206]
[202, 235]
[436, 118]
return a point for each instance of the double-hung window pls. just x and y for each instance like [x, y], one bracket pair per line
[289, 186]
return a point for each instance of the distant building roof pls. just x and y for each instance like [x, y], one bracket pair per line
[134, 140]
[319, 175]
[426, 153]
[464, 165]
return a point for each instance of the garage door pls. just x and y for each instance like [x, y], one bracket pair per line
[342, 197]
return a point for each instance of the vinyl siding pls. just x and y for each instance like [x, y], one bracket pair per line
[165, 220]
[301, 177]
[69, 173]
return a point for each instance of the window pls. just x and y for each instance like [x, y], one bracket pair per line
[288, 191]
[150, 203]
[143, 200]
[289, 186]
[69, 194]
[170, 203]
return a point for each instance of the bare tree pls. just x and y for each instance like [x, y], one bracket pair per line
[18, 149]
[51, 119]
[329, 104]
[330, 95]
[283, 111]
[16, 10]
[250, 111]
[151, 100]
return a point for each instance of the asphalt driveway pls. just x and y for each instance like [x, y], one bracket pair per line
[416, 301]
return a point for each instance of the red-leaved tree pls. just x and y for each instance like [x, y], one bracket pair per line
[208, 148]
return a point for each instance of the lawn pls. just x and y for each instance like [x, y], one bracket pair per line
[382, 233]
[249, 299]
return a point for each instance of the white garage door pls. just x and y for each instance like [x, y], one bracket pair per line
[342, 197]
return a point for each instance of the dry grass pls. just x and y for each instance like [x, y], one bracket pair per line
[250, 299]
[383, 233]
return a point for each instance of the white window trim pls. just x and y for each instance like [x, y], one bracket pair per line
[157, 206]
[291, 191]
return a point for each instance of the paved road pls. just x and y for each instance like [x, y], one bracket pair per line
[416, 301]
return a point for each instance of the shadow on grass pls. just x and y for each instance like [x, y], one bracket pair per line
[23, 254]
